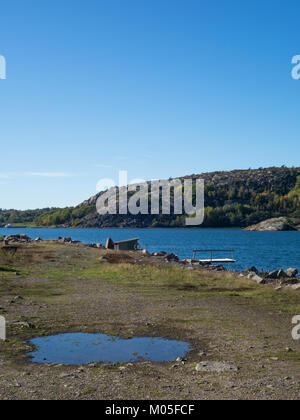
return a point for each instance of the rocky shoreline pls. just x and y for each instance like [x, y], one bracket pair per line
[279, 278]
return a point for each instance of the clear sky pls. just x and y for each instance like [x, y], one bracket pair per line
[157, 87]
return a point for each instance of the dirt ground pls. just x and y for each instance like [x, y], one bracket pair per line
[50, 288]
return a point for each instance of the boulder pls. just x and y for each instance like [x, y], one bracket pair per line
[288, 282]
[252, 270]
[258, 279]
[17, 239]
[216, 267]
[272, 275]
[281, 274]
[171, 257]
[251, 275]
[160, 254]
[291, 272]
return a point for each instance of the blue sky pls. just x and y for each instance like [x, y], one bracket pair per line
[159, 88]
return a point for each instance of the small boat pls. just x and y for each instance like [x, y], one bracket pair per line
[8, 226]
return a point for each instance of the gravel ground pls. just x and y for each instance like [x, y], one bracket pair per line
[63, 288]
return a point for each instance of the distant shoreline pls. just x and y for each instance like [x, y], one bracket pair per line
[124, 228]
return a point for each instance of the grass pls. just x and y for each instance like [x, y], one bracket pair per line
[54, 271]
[285, 356]
[169, 279]
[7, 269]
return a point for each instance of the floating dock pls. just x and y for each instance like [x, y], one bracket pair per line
[213, 260]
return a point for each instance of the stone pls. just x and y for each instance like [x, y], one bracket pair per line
[281, 274]
[171, 257]
[290, 282]
[252, 270]
[217, 367]
[17, 239]
[291, 272]
[273, 275]
[258, 279]
[160, 254]
[25, 325]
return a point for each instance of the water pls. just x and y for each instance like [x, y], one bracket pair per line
[265, 250]
[82, 348]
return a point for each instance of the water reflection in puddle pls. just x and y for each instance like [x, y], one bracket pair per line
[82, 348]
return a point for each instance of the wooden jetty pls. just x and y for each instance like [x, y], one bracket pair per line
[213, 260]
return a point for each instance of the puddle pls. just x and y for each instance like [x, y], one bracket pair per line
[82, 348]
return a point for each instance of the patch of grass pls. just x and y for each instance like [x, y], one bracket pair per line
[293, 356]
[7, 269]
[89, 391]
[173, 280]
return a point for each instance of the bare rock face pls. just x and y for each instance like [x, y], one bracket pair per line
[273, 225]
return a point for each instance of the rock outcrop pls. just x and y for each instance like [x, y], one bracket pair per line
[273, 225]
[276, 277]
[17, 239]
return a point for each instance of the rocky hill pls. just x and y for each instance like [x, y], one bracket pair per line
[237, 198]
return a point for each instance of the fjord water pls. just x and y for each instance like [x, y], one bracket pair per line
[265, 250]
[83, 348]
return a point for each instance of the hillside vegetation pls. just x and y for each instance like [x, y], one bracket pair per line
[232, 199]
[18, 217]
